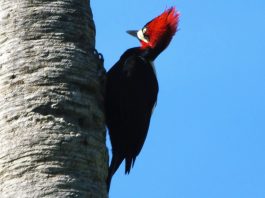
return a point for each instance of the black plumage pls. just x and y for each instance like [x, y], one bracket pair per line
[131, 93]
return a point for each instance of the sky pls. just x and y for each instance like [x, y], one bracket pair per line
[207, 134]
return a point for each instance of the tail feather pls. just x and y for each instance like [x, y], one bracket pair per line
[129, 162]
[114, 165]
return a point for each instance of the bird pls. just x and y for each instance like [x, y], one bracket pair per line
[132, 89]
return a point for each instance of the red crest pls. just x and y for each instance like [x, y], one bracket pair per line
[162, 28]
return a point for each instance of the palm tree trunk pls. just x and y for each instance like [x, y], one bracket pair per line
[52, 134]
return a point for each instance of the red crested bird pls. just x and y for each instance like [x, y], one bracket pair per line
[132, 88]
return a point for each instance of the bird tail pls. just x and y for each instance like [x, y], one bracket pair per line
[114, 165]
[129, 162]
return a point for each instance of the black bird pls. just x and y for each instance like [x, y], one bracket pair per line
[132, 88]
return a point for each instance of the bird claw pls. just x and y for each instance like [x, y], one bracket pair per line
[98, 55]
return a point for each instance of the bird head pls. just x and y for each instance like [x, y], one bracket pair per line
[159, 31]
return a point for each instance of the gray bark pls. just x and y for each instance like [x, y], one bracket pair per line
[52, 133]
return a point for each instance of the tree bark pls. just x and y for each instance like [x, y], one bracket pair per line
[52, 133]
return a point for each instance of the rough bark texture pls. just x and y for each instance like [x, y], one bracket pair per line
[52, 134]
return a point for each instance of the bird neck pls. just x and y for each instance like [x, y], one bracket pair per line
[153, 52]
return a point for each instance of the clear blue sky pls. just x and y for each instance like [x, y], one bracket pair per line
[207, 136]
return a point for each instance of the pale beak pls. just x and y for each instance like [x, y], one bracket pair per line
[132, 32]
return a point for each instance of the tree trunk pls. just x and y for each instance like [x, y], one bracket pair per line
[52, 133]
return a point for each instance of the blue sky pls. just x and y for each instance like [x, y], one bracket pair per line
[207, 135]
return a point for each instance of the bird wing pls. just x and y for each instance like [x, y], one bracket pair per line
[139, 91]
[131, 93]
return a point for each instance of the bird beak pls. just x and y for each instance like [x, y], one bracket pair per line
[132, 32]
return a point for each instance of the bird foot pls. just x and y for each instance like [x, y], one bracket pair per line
[98, 55]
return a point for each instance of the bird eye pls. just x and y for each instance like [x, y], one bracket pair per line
[144, 30]
[146, 37]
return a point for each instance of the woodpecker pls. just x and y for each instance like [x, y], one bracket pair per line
[132, 88]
